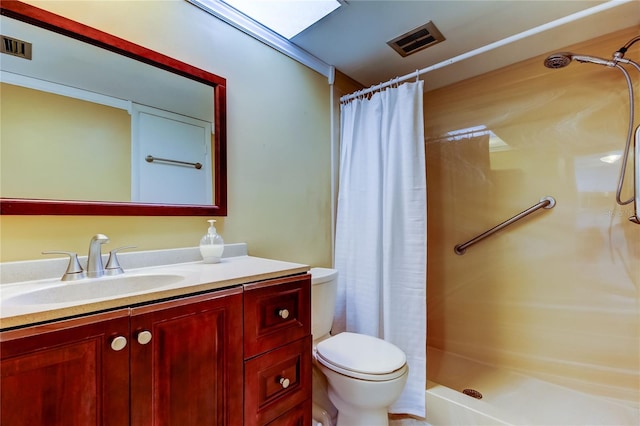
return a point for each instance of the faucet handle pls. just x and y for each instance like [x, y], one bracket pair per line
[74, 269]
[113, 266]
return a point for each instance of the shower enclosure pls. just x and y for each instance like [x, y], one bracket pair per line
[541, 319]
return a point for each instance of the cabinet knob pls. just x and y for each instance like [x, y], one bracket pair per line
[144, 337]
[119, 343]
[284, 382]
[283, 313]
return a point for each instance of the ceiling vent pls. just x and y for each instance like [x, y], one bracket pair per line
[15, 47]
[415, 40]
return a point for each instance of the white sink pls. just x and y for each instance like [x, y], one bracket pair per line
[93, 289]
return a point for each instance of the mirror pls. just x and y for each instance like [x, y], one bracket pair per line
[187, 91]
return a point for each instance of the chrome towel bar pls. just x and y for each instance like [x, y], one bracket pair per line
[151, 159]
[545, 202]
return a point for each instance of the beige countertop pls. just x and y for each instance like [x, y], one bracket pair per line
[186, 278]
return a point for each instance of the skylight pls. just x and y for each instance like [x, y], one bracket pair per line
[285, 17]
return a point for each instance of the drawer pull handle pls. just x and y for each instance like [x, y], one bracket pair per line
[283, 313]
[119, 343]
[284, 382]
[144, 337]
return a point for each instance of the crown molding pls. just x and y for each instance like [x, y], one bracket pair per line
[258, 31]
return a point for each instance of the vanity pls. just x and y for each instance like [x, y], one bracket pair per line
[223, 344]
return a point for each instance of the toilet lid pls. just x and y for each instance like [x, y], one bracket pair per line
[361, 353]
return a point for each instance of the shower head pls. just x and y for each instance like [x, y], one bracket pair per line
[562, 59]
[558, 60]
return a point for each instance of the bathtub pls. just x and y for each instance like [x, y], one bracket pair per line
[511, 398]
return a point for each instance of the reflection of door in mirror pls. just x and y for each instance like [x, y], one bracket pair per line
[171, 160]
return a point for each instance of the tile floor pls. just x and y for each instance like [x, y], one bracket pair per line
[406, 421]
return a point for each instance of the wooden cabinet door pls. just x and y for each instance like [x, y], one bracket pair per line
[186, 361]
[66, 372]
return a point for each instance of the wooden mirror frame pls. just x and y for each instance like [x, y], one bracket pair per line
[50, 21]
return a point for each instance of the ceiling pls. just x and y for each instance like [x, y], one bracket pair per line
[354, 37]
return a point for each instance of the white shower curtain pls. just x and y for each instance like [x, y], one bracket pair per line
[381, 228]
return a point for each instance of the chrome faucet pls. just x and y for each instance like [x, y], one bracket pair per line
[94, 261]
[95, 268]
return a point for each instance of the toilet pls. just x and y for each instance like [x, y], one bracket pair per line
[364, 374]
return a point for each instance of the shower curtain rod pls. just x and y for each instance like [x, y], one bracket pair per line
[549, 25]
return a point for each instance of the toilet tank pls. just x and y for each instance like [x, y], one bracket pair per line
[323, 300]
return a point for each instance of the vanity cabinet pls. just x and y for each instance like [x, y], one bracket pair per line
[240, 355]
[174, 362]
[277, 351]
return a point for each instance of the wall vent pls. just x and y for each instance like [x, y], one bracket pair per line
[15, 47]
[417, 39]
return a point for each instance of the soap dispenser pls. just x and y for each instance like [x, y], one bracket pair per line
[211, 245]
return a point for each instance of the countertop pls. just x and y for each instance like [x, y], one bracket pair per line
[194, 277]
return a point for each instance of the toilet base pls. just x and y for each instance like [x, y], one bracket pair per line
[369, 419]
[363, 402]
[348, 416]
[324, 411]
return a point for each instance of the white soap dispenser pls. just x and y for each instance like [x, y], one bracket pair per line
[211, 245]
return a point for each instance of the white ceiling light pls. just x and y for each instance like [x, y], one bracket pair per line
[285, 17]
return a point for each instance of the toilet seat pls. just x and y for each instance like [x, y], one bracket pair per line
[362, 357]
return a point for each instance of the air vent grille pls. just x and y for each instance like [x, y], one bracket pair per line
[417, 39]
[15, 47]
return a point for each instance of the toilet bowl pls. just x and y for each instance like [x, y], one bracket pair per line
[365, 374]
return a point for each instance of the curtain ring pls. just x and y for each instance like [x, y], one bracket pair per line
[417, 76]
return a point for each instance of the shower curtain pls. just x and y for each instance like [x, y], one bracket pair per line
[381, 229]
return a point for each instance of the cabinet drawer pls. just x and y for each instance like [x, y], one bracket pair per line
[277, 381]
[276, 313]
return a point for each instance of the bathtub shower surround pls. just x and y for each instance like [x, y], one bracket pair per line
[381, 228]
[555, 297]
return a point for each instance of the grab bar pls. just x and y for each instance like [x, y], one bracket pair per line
[545, 202]
[151, 159]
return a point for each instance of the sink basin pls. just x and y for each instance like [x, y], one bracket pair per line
[93, 289]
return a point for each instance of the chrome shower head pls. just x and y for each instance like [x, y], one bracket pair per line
[558, 60]
[562, 59]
